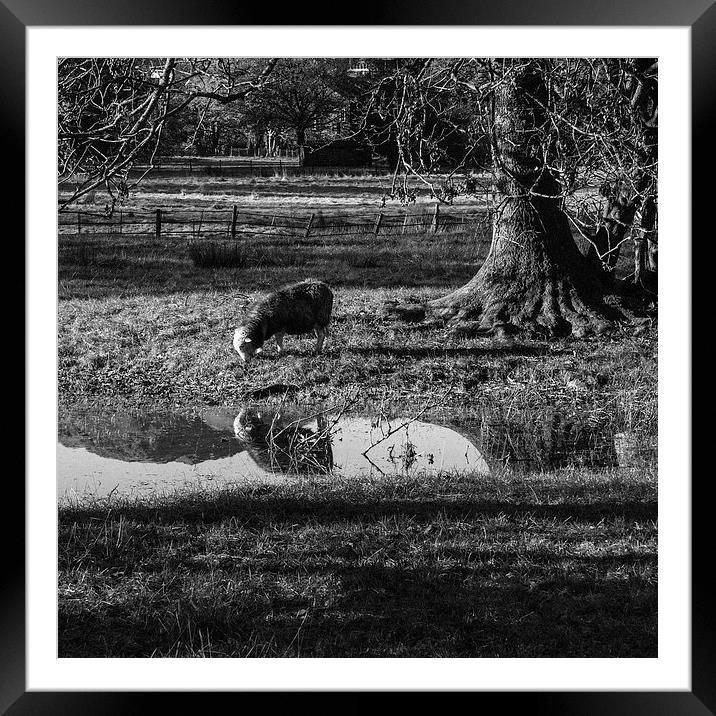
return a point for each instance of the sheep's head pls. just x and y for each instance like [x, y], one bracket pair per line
[246, 424]
[245, 345]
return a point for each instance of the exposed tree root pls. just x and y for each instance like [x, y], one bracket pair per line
[546, 306]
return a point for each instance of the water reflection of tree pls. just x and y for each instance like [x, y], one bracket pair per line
[540, 441]
[279, 442]
[135, 436]
[294, 443]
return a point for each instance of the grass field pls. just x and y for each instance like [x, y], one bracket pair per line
[561, 562]
[560, 565]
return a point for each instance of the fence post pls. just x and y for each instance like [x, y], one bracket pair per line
[120, 222]
[308, 226]
[436, 217]
[158, 230]
[79, 223]
[378, 222]
[233, 221]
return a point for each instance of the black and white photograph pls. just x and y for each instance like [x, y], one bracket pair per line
[357, 357]
[349, 367]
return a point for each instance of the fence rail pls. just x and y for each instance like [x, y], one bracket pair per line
[233, 222]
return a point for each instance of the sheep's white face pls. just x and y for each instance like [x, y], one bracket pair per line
[244, 346]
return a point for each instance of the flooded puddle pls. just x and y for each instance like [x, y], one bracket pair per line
[101, 452]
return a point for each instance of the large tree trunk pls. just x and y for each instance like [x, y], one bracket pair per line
[534, 279]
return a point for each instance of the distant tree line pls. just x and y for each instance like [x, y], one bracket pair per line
[117, 112]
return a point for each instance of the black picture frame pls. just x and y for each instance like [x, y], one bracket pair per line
[699, 15]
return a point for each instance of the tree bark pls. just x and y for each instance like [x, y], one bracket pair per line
[534, 280]
[617, 219]
[645, 102]
[646, 248]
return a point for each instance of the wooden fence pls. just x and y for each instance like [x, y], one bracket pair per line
[231, 222]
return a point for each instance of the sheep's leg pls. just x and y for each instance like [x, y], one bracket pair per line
[320, 337]
[279, 341]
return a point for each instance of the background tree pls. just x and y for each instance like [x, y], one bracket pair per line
[300, 97]
[112, 111]
[606, 119]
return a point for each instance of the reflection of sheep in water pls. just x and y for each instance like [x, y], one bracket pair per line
[277, 443]
[303, 307]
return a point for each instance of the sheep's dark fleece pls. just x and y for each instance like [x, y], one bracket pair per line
[303, 307]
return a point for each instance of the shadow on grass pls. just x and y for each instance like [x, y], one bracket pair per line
[507, 349]
[549, 567]
[382, 610]
[113, 266]
[476, 613]
[88, 282]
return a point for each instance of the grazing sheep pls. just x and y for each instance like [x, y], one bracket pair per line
[303, 307]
